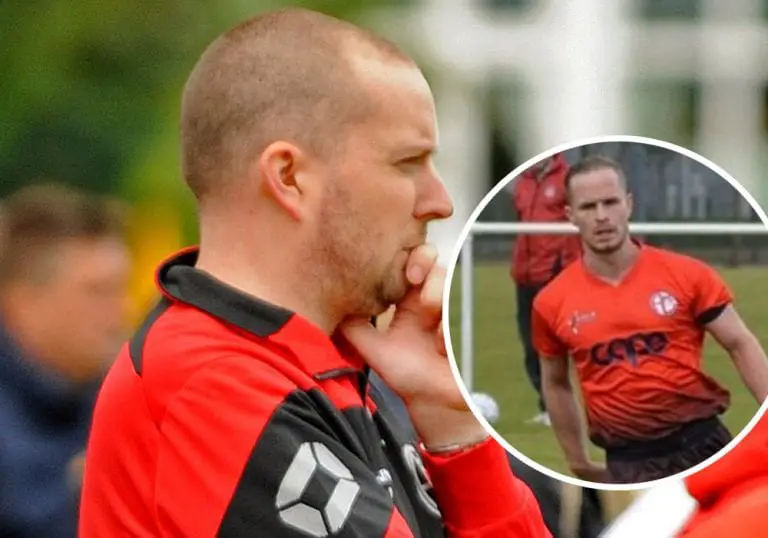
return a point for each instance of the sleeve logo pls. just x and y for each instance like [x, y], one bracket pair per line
[579, 318]
[315, 461]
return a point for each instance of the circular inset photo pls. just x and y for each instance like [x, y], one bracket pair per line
[603, 312]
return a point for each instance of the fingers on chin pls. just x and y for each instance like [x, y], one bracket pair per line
[424, 258]
[432, 291]
[424, 255]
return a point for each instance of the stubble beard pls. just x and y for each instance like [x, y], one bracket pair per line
[611, 248]
[348, 272]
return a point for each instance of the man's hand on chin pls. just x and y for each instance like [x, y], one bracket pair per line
[410, 356]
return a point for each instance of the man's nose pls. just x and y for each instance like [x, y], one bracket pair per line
[600, 213]
[433, 200]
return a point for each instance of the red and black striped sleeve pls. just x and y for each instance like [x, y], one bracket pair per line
[243, 452]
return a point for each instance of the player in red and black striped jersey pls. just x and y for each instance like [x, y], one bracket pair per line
[241, 407]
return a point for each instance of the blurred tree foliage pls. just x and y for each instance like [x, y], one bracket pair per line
[89, 90]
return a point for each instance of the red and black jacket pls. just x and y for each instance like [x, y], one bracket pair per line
[539, 196]
[226, 416]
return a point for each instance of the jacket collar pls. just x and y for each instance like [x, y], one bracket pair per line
[309, 347]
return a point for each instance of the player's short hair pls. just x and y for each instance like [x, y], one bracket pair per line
[284, 75]
[591, 163]
[37, 219]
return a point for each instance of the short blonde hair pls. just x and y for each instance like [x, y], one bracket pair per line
[283, 75]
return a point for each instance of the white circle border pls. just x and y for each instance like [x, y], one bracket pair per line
[451, 270]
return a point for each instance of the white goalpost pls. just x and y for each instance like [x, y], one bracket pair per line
[466, 261]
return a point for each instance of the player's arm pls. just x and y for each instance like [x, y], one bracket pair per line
[243, 452]
[713, 309]
[742, 345]
[565, 414]
[563, 409]
[560, 399]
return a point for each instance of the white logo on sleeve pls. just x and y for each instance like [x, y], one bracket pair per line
[314, 458]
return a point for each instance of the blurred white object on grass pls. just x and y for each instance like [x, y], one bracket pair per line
[487, 406]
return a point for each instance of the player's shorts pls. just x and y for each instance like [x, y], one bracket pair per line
[643, 461]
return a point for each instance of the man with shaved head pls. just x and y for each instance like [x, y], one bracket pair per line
[241, 406]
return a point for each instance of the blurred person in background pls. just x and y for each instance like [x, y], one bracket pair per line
[538, 195]
[63, 280]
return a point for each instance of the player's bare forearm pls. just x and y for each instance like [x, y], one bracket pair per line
[565, 415]
[750, 360]
[745, 350]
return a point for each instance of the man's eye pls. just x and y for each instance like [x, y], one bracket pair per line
[410, 164]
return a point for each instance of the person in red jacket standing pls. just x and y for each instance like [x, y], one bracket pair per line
[538, 195]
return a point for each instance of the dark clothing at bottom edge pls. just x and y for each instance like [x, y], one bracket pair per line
[644, 461]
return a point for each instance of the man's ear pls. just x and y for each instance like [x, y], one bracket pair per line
[277, 171]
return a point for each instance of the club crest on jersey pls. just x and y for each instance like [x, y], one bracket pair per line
[549, 192]
[579, 318]
[663, 303]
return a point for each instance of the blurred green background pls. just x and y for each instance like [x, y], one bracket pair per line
[89, 92]
[89, 96]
